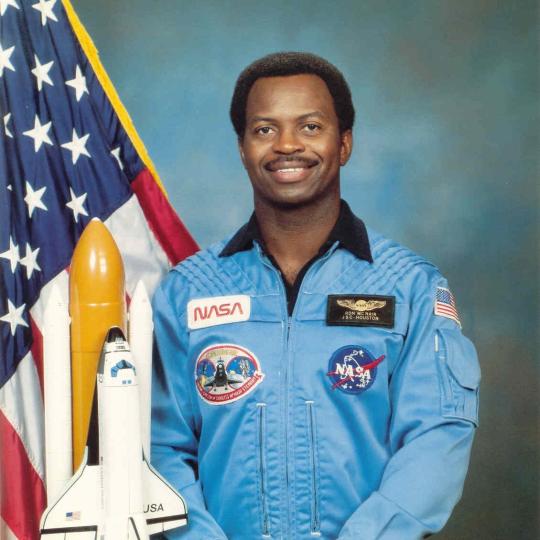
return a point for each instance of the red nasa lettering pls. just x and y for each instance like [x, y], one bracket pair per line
[217, 310]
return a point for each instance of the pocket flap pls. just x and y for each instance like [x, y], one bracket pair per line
[462, 359]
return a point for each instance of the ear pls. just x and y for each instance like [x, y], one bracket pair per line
[241, 151]
[346, 147]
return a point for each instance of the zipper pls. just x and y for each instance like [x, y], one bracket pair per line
[287, 351]
[286, 404]
[289, 323]
[261, 425]
[285, 354]
[312, 441]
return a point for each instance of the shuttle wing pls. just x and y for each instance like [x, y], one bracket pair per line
[76, 514]
[164, 508]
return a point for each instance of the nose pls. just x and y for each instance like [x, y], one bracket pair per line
[288, 141]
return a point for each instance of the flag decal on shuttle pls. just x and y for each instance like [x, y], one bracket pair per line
[204, 312]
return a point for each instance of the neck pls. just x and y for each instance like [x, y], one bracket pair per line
[293, 236]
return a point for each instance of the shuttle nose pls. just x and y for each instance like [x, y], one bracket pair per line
[114, 335]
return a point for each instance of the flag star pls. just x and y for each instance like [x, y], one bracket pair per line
[14, 317]
[12, 255]
[6, 129]
[77, 146]
[79, 83]
[5, 61]
[10, 187]
[116, 154]
[4, 4]
[39, 134]
[41, 71]
[33, 199]
[30, 260]
[76, 205]
[46, 9]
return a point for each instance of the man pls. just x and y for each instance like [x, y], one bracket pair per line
[313, 380]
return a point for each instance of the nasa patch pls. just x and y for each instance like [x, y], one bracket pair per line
[353, 369]
[225, 373]
[205, 312]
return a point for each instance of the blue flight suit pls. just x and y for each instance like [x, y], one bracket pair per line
[347, 413]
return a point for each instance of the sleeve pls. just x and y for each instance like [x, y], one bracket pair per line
[434, 399]
[174, 439]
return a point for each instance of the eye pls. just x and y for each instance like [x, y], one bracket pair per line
[263, 130]
[311, 128]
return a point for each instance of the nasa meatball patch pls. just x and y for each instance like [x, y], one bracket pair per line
[360, 310]
[352, 369]
[225, 373]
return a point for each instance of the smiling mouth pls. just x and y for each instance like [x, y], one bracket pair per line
[290, 169]
[290, 164]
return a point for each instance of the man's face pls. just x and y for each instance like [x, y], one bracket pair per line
[292, 148]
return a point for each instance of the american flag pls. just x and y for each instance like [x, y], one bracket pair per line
[445, 305]
[68, 152]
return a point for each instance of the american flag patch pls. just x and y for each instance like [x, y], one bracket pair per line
[445, 305]
[71, 516]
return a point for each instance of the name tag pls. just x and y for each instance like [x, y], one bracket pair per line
[360, 310]
[218, 310]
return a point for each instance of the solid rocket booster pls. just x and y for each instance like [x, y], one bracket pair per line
[96, 292]
[140, 342]
[57, 394]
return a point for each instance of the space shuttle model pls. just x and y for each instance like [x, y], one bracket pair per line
[97, 406]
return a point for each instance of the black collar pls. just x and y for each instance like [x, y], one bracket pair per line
[349, 231]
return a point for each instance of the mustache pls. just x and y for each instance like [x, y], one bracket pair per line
[271, 165]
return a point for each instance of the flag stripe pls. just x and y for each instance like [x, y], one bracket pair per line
[446, 309]
[5, 532]
[25, 416]
[164, 223]
[22, 494]
[443, 310]
[37, 350]
[141, 252]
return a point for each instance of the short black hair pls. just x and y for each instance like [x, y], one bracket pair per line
[282, 64]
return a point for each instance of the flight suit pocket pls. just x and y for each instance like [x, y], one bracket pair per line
[460, 373]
